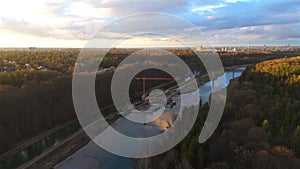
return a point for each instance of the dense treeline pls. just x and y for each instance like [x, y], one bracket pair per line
[22, 78]
[243, 58]
[35, 107]
[56, 60]
[41, 104]
[32, 109]
[260, 128]
[13, 63]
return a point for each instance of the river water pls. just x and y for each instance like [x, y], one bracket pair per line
[93, 157]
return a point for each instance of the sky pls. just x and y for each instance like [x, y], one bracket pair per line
[71, 23]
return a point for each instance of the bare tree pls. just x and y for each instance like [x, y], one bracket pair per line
[184, 165]
[143, 163]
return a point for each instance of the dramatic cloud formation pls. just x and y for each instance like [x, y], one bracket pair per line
[70, 23]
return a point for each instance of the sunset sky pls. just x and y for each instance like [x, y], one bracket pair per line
[70, 23]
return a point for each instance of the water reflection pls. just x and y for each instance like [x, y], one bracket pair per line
[205, 89]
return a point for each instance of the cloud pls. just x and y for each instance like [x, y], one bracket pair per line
[120, 8]
[249, 14]
[235, 1]
[77, 30]
[281, 32]
[240, 20]
[21, 26]
[265, 34]
[215, 17]
[209, 8]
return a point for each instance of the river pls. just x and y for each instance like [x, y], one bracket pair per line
[93, 157]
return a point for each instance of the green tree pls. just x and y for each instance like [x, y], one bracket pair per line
[265, 125]
[295, 141]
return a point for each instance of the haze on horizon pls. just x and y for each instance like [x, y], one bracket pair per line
[69, 23]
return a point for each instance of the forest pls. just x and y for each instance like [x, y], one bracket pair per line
[37, 84]
[260, 127]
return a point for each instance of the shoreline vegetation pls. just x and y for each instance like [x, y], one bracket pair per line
[260, 127]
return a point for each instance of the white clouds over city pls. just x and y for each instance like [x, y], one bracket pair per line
[52, 23]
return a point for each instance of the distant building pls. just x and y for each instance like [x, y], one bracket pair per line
[4, 69]
[105, 70]
[199, 48]
[12, 62]
[196, 72]
[27, 66]
[42, 68]
[32, 48]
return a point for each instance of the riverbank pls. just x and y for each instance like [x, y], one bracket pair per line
[108, 160]
[62, 150]
[59, 153]
[201, 80]
[63, 153]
